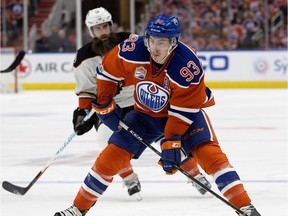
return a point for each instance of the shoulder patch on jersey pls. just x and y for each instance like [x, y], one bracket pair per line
[140, 73]
[152, 96]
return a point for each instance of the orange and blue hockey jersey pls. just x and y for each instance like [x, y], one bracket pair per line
[169, 102]
[176, 90]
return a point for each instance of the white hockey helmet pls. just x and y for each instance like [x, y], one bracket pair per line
[97, 16]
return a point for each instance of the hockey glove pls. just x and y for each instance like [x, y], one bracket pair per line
[109, 113]
[171, 153]
[81, 127]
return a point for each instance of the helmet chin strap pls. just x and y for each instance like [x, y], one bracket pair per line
[171, 48]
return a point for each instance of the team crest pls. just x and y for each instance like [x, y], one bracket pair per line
[152, 96]
[140, 73]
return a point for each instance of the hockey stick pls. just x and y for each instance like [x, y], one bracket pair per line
[123, 125]
[23, 190]
[15, 63]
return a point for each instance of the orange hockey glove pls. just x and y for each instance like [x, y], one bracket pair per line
[109, 113]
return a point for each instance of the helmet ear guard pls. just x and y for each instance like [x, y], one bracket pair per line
[97, 16]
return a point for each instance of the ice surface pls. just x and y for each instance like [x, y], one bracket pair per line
[251, 126]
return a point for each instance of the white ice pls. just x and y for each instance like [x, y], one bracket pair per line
[251, 126]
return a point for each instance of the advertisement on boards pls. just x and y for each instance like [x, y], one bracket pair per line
[241, 68]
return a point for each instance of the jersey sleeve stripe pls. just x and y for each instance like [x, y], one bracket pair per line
[100, 77]
[182, 109]
[106, 76]
[178, 115]
[133, 62]
[209, 95]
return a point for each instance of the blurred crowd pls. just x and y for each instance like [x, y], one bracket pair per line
[206, 24]
[62, 37]
[12, 12]
[235, 24]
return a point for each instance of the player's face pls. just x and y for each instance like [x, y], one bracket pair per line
[159, 48]
[102, 31]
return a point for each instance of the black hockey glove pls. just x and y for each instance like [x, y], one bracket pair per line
[81, 127]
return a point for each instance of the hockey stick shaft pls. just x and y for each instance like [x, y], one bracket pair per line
[123, 125]
[15, 63]
[22, 190]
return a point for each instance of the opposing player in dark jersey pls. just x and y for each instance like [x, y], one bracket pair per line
[99, 23]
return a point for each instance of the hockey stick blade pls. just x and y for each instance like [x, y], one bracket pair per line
[15, 63]
[22, 190]
[14, 188]
[17, 189]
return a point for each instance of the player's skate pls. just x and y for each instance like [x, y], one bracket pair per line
[249, 211]
[201, 178]
[71, 211]
[133, 185]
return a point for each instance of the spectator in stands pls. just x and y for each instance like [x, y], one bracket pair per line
[8, 30]
[63, 43]
[34, 6]
[59, 42]
[53, 39]
[42, 44]
[17, 9]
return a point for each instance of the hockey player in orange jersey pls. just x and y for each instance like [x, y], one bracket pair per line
[170, 94]
[99, 23]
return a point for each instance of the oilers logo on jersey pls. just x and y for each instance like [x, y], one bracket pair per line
[152, 96]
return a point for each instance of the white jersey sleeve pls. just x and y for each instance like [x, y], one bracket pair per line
[85, 75]
[125, 98]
